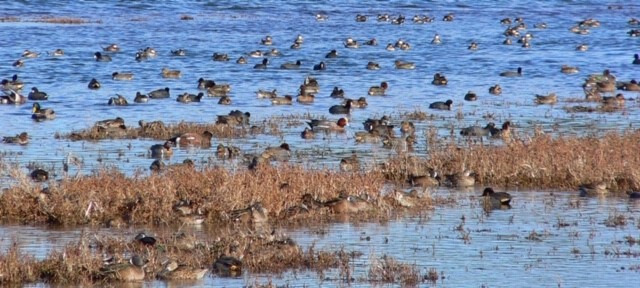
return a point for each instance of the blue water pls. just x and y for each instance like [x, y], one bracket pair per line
[236, 27]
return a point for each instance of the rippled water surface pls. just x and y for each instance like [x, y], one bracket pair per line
[497, 252]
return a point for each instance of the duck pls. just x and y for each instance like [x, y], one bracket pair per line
[478, 131]
[407, 127]
[373, 66]
[166, 73]
[404, 65]
[153, 126]
[188, 98]
[337, 93]
[327, 125]
[149, 52]
[94, 84]
[295, 46]
[516, 73]
[279, 153]
[320, 66]
[550, 98]
[503, 133]
[307, 133]
[262, 65]
[341, 109]
[13, 97]
[162, 150]
[390, 47]
[227, 151]
[366, 136]
[159, 93]
[350, 164]
[141, 98]
[285, 100]
[220, 57]
[631, 86]
[371, 124]
[30, 54]
[448, 18]
[141, 57]
[40, 114]
[39, 175]
[358, 103]
[636, 59]
[566, 69]
[439, 80]
[173, 271]
[350, 43]
[38, 95]
[101, 57]
[122, 76]
[128, 272]
[224, 100]
[111, 48]
[179, 52]
[473, 46]
[193, 139]
[117, 122]
[267, 40]
[582, 47]
[227, 266]
[306, 98]
[18, 63]
[461, 180]
[593, 189]
[439, 105]
[371, 42]
[361, 18]
[436, 39]
[345, 204]
[235, 117]
[633, 195]
[119, 100]
[471, 96]
[332, 54]
[617, 100]
[218, 90]
[496, 198]
[13, 84]
[241, 60]
[145, 239]
[378, 90]
[256, 54]
[21, 139]
[495, 89]
[265, 94]
[507, 41]
[291, 66]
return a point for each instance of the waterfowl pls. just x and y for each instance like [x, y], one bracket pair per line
[221, 57]
[21, 139]
[306, 98]
[332, 54]
[256, 54]
[267, 94]
[179, 52]
[299, 39]
[378, 90]
[337, 93]
[40, 114]
[345, 204]
[110, 123]
[241, 60]
[320, 66]
[141, 57]
[149, 51]
[631, 86]
[188, 98]
[365, 136]
[159, 93]
[350, 43]
[111, 48]
[141, 98]
[636, 59]
[121, 76]
[471, 96]
[193, 139]
[235, 117]
[617, 100]
[327, 125]
[477, 131]
[634, 33]
[307, 133]
[473, 46]
[39, 175]
[373, 66]
[295, 46]
[633, 195]
[402, 45]
[390, 47]
[358, 103]
[429, 180]
[495, 89]
[291, 66]
[503, 133]
[227, 266]
[372, 124]
[439, 80]
[131, 271]
[12, 97]
[218, 90]
[439, 105]
[161, 150]
[166, 73]
[350, 164]
[119, 100]
[310, 86]
[404, 65]
[94, 84]
[262, 65]
[496, 198]
[516, 73]
[173, 271]
[267, 40]
[30, 54]
[505, 21]
[18, 63]
[436, 39]
[461, 180]
[279, 153]
[371, 42]
[227, 151]
[551, 98]
[35, 94]
[593, 189]
[101, 58]
[224, 100]
[361, 18]
[507, 41]
[566, 69]
[582, 47]
[144, 239]
[448, 18]
[285, 100]
[407, 127]
[153, 126]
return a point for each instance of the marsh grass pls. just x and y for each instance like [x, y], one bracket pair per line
[388, 270]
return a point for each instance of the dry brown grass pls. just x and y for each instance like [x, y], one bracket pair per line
[62, 20]
[388, 270]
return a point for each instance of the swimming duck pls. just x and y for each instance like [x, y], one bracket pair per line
[149, 51]
[110, 123]
[267, 40]
[582, 47]
[373, 66]
[122, 76]
[439, 105]
[40, 114]
[267, 94]
[299, 39]
[285, 100]
[111, 48]
[436, 39]
[227, 151]
[30, 54]
[101, 58]
[439, 80]
[551, 98]
[461, 180]
[295, 46]
[141, 57]
[21, 139]
[496, 198]
[166, 73]
[13, 97]
[327, 125]
[471, 96]
[320, 66]
[159, 93]
[636, 59]
[473, 46]
[361, 18]
[18, 63]
[131, 271]
[39, 175]
[188, 98]
[448, 18]
[429, 180]
[235, 117]
[404, 65]
[291, 66]
[371, 42]
[566, 69]
[365, 136]
[144, 239]
[503, 133]
[378, 90]
[341, 109]
[119, 100]
[402, 45]
[94, 84]
[262, 65]
[507, 41]
[350, 164]
[358, 103]
[35, 94]
[224, 100]
[337, 93]
[477, 131]
[279, 153]
[193, 139]
[372, 124]
[347, 204]
[256, 54]
[516, 73]
[332, 54]
[221, 57]
[390, 47]
[179, 52]
[306, 98]
[617, 100]
[350, 43]
[307, 133]
[495, 89]
[630, 86]
[311, 86]
[173, 271]
[218, 90]
[593, 189]
[162, 150]
[141, 98]
[153, 126]
[241, 60]
[227, 266]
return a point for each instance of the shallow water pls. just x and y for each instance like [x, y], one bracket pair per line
[236, 28]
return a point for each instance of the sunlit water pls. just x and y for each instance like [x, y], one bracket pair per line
[236, 28]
